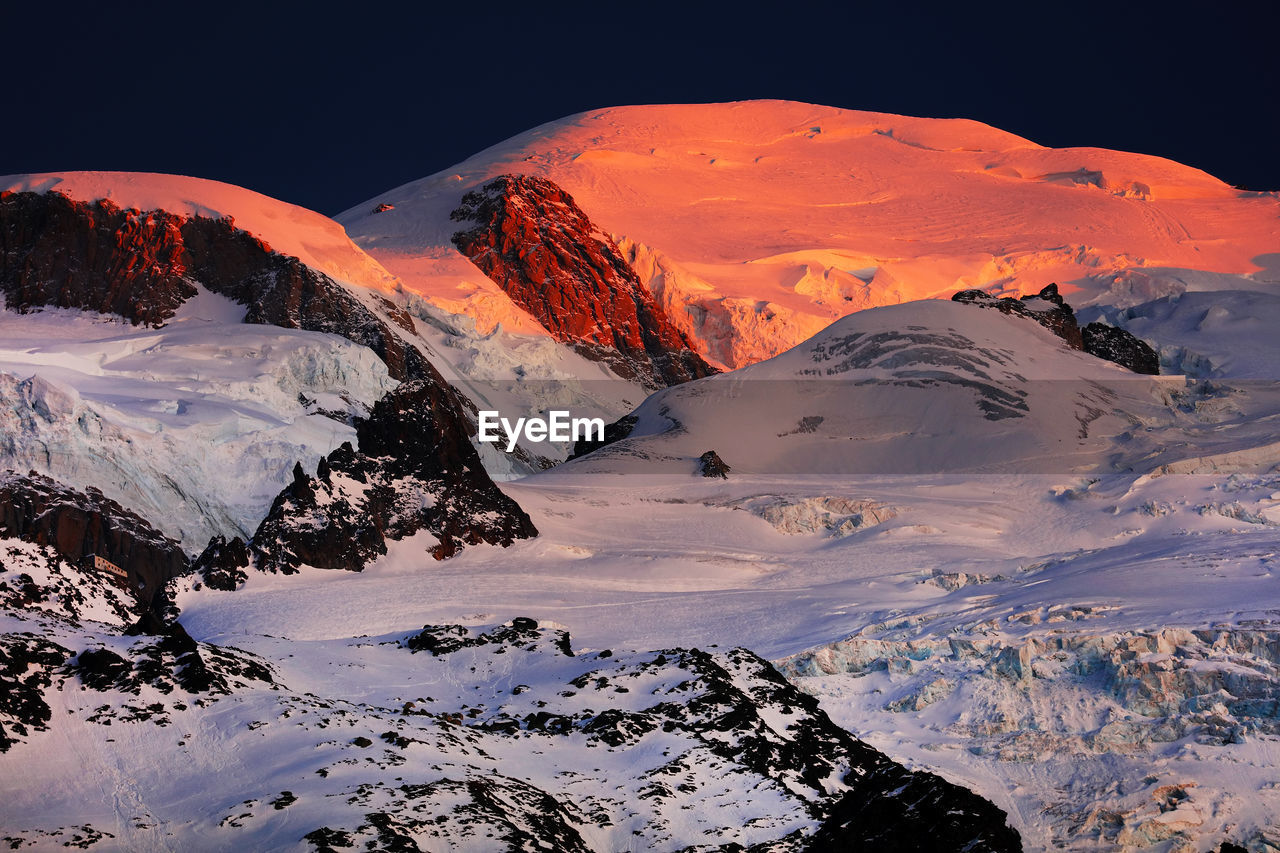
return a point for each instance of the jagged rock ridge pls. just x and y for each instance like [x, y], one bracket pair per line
[1050, 310]
[413, 472]
[528, 235]
[1122, 347]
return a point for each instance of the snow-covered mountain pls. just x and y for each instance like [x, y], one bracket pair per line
[923, 388]
[184, 367]
[756, 224]
[1017, 587]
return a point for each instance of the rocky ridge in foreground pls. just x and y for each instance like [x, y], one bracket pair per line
[661, 748]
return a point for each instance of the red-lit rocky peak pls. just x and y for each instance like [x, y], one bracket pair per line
[527, 235]
[142, 265]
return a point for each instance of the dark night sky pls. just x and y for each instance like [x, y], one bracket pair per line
[326, 105]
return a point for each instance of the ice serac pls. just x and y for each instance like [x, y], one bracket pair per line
[81, 525]
[528, 235]
[142, 265]
[415, 471]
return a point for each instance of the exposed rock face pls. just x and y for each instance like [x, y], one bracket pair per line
[711, 465]
[527, 235]
[80, 525]
[616, 431]
[415, 470]
[1116, 344]
[55, 251]
[222, 564]
[69, 254]
[1049, 310]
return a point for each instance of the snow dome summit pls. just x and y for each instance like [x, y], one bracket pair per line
[556, 426]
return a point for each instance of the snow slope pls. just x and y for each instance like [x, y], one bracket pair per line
[1085, 636]
[760, 222]
[937, 387]
[1092, 651]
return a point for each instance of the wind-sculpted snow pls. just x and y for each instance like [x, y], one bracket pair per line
[911, 389]
[460, 739]
[921, 360]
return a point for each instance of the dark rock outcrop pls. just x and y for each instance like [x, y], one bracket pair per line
[56, 251]
[914, 813]
[528, 235]
[616, 431]
[1116, 344]
[521, 633]
[222, 564]
[1049, 310]
[415, 470]
[27, 666]
[173, 661]
[71, 254]
[711, 465]
[82, 525]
